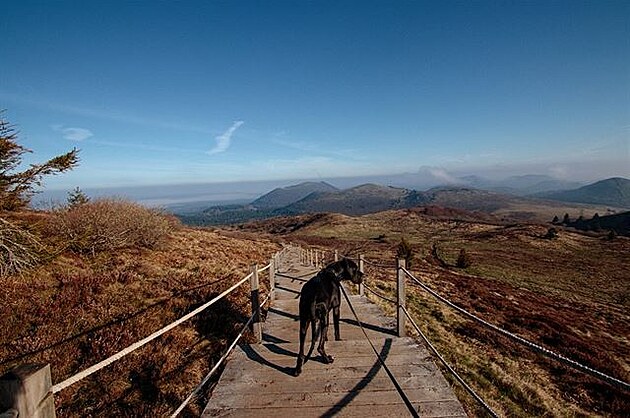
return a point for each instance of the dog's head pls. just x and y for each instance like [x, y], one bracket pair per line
[350, 271]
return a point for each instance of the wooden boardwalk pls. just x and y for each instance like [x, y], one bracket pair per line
[258, 381]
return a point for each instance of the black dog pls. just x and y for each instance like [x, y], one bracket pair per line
[319, 295]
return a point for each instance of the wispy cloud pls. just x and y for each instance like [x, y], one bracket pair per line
[225, 139]
[73, 134]
[102, 113]
[439, 174]
[316, 148]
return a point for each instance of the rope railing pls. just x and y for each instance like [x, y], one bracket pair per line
[399, 389]
[314, 258]
[379, 265]
[115, 357]
[205, 380]
[449, 368]
[533, 346]
[380, 295]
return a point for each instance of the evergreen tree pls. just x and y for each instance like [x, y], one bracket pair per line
[463, 260]
[566, 220]
[17, 187]
[555, 220]
[77, 198]
[595, 222]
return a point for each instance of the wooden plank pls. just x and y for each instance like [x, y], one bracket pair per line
[258, 379]
[312, 369]
[309, 398]
[432, 410]
[271, 385]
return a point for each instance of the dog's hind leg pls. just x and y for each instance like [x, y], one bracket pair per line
[336, 323]
[322, 339]
[300, 358]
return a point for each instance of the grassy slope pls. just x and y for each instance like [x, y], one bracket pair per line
[76, 311]
[571, 294]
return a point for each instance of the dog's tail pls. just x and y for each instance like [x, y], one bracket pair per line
[320, 314]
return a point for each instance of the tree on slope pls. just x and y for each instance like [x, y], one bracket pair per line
[17, 187]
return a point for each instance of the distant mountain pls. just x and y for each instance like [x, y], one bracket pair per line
[528, 184]
[284, 196]
[367, 198]
[371, 198]
[469, 199]
[614, 192]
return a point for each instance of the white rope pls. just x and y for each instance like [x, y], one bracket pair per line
[197, 390]
[379, 294]
[267, 267]
[450, 369]
[558, 357]
[85, 373]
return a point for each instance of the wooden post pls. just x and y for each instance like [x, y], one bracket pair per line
[316, 258]
[400, 291]
[361, 288]
[272, 279]
[26, 391]
[253, 283]
[336, 255]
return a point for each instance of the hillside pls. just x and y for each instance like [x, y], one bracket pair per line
[614, 192]
[373, 198]
[570, 294]
[74, 309]
[358, 200]
[520, 185]
[285, 196]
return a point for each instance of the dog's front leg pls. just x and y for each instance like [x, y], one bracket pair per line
[336, 323]
[322, 341]
[300, 358]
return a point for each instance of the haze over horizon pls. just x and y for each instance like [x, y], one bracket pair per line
[159, 93]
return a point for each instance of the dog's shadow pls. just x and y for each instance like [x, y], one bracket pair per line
[254, 355]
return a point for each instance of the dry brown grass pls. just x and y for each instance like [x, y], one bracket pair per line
[109, 224]
[76, 310]
[570, 294]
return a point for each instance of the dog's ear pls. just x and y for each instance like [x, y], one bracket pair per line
[344, 263]
[349, 264]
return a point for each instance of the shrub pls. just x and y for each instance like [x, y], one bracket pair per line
[463, 260]
[405, 251]
[19, 249]
[109, 224]
[551, 233]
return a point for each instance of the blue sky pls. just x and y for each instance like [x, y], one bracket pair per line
[195, 92]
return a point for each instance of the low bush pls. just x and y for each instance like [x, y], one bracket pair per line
[405, 251]
[552, 233]
[463, 260]
[19, 249]
[109, 224]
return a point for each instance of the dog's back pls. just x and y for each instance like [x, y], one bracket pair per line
[318, 297]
